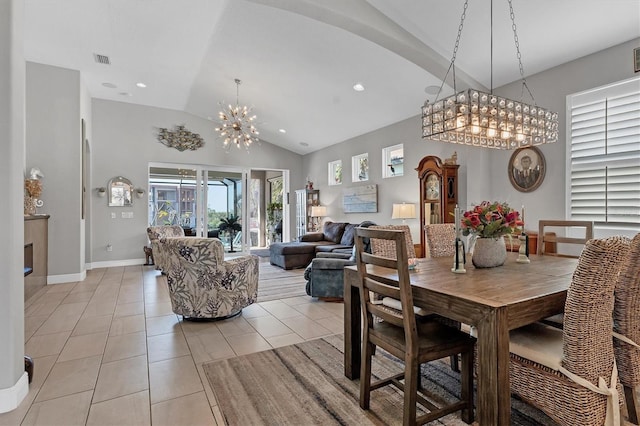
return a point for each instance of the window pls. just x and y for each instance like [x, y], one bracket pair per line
[393, 161]
[335, 172]
[604, 131]
[360, 168]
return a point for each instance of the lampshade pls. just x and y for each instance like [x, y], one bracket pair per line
[318, 211]
[404, 211]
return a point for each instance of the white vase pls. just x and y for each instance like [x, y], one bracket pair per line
[489, 252]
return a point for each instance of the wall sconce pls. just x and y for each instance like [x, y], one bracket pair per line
[102, 191]
[139, 192]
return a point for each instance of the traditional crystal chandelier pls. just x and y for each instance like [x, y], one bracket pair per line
[236, 124]
[477, 118]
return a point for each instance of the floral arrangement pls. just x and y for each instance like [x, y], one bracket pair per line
[33, 187]
[490, 220]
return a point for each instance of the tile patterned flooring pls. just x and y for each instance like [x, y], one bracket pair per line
[109, 350]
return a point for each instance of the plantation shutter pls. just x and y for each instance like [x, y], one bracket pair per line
[605, 154]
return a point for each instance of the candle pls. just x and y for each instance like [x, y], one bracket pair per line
[457, 220]
[522, 218]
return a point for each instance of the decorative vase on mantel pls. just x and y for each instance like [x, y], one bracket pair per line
[30, 204]
[489, 252]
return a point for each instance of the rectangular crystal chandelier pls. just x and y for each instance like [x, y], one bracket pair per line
[476, 118]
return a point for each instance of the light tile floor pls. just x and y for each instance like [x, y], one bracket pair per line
[109, 350]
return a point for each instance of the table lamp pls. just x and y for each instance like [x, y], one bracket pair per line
[404, 211]
[318, 212]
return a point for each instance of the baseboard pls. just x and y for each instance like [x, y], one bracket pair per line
[114, 263]
[66, 278]
[11, 398]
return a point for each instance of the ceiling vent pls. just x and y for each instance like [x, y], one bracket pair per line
[101, 59]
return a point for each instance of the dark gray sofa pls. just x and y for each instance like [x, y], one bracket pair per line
[335, 237]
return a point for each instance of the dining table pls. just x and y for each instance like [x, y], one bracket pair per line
[491, 300]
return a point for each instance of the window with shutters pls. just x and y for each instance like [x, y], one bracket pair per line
[604, 160]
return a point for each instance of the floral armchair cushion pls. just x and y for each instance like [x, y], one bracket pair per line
[202, 284]
[155, 233]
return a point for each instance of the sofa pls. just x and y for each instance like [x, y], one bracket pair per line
[202, 285]
[335, 237]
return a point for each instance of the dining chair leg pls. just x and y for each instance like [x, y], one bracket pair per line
[633, 405]
[455, 366]
[411, 370]
[365, 375]
[466, 383]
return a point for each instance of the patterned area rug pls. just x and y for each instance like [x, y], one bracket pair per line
[277, 283]
[304, 384]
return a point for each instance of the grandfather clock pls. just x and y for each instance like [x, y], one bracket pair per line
[438, 193]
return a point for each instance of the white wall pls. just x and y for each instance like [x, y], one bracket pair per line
[13, 382]
[54, 146]
[124, 143]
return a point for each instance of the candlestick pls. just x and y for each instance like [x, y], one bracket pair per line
[523, 252]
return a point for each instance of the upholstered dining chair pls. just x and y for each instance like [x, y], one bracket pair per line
[570, 373]
[441, 239]
[401, 333]
[626, 327]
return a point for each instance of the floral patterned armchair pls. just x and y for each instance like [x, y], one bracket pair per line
[155, 233]
[201, 283]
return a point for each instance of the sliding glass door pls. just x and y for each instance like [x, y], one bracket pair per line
[221, 202]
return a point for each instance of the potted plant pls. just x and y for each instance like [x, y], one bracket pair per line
[231, 225]
[274, 218]
[488, 223]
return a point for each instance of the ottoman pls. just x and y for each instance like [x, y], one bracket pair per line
[291, 255]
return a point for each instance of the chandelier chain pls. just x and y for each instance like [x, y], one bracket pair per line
[518, 54]
[455, 51]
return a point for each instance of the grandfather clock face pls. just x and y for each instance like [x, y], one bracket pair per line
[432, 190]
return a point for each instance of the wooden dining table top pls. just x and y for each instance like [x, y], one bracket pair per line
[494, 300]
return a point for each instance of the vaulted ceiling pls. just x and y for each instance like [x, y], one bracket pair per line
[299, 59]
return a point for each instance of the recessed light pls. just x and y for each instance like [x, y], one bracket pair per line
[304, 144]
[125, 94]
[282, 131]
[432, 90]
[141, 85]
[358, 87]
[109, 85]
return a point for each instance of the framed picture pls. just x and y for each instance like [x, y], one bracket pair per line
[636, 59]
[526, 169]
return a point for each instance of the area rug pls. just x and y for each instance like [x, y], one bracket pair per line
[260, 252]
[304, 384]
[277, 283]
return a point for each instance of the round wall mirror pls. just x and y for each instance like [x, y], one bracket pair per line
[120, 192]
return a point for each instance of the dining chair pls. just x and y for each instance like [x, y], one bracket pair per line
[626, 327]
[546, 238]
[570, 373]
[402, 334]
[548, 245]
[441, 239]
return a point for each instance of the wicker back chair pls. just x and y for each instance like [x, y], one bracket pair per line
[626, 323]
[387, 248]
[401, 334]
[570, 374]
[545, 237]
[441, 239]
